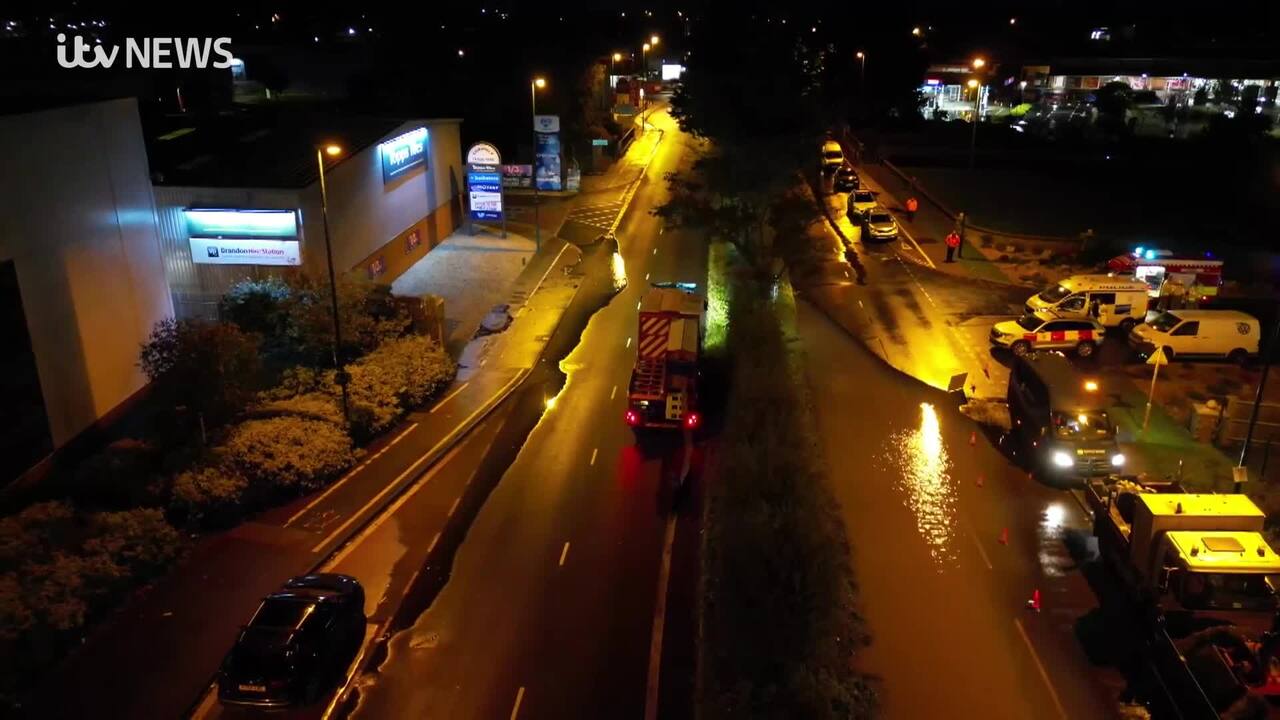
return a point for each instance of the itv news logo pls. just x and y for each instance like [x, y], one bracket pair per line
[147, 53]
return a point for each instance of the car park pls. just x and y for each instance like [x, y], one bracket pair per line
[298, 643]
[878, 224]
[1219, 334]
[860, 201]
[1046, 331]
[846, 180]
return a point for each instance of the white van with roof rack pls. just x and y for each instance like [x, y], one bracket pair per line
[1112, 301]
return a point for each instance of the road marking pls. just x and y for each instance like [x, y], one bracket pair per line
[981, 550]
[519, 698]
[646, 277]
[655, 251]
[614, 392]
[661, 228]
[346, 477]
[593, 455]
[628, 342]
[638, 302]
[449, 397]
[432, 546]
[564, 553]
[1062, 713]
[453, 508]
[389, 512]
[412, 468]
[918, 248]
[659, 621]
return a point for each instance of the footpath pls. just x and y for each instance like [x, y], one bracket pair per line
[156, 656]
[1166, 449]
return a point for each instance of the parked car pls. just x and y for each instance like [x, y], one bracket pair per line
[879, 225]
[1228, 334]
[832, 155]
[1046, 331]
[846, 180]
[861, 201]
[298, 642]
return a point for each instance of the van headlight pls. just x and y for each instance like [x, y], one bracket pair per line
[1062, 459]
[1117, 460]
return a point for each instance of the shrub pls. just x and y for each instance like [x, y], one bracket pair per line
[367, 312]
[208, 496]
[123, 475]
[311, 406]
[140, 541]
[287, 453]
[211, 368]
[33, 534]
[64, 591]
[416, 365]
[258, 306]
[15, 614]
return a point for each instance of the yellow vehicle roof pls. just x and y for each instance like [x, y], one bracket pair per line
[1225, 551]
[1200, 504]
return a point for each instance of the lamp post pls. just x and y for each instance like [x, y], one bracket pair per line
[340, 374]
[862, 70]
[533, 104]
[644, 62]
[976, 85]
[613, 59]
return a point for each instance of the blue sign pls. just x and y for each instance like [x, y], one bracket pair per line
[248, 224]
[403, 153]
[488, 182]
[546, 171]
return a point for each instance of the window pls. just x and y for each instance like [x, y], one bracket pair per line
[1075, 303]
[1030, 323]
[1103, 298]
[1164, 322]
[1054, 294]
[1081, 325]
[1084, 425]
[1059, 326]
[1189, 328]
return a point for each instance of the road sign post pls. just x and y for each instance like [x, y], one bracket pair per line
[1157, 359]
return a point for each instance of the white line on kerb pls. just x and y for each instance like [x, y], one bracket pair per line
[564, 553]
[655, 251]
[519, 698]
[346, 477]
[454, 507]
[659, 621]
[432, 546]
[628, 342]
[449, 397]
[1062, 712]
[593, 455]
[614, 392]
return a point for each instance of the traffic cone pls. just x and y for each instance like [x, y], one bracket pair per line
[1004, 536]
[1034, 602]
[981, 479]
[973, 437]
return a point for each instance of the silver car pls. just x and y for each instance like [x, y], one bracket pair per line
[879, 225]
[861, 201]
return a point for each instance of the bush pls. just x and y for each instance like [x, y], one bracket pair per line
[287, 453]
[33, 534]
[140, 541]
[416, 365]
[63, 592]
[123, 475]
[311, 406]
[208, 497]
[210, 368]
[258, 306]
[15, 615]
[367, 311]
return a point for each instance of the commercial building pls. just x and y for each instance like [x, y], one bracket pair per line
[81, 272]
[242, 199]
[1167, 81]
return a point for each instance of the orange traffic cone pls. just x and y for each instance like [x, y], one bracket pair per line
[1034, 602]
[973, 437]
[1004, 536]
[981, 479]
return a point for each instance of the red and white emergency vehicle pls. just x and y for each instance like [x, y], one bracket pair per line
[664, 383]
[1201, 277]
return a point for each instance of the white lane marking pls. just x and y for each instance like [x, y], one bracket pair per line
[614, 392]
[661, 228]
[454, 507]
[346, 477]
[432, 546]
[412, 468]
[646, 277]
[628, 342]
[655, 251]
[638, 304]
[918, 248]
[1062, 713]
[519, 698]
[390, 511]
[593, 455]
[659, 621]
[449, 397]
[564, 553]
[981, 550]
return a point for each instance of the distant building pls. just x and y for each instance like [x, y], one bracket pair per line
[1170, 81]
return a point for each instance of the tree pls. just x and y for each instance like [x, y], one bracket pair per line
[257, 306]
[211, 368]
[367, 312]
[1113, 101]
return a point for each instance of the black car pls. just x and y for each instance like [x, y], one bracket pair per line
[299, 641]
[846, 180]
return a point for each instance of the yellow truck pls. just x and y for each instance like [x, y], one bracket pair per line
[1201, 581]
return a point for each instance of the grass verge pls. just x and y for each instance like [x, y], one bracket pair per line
[780, 626]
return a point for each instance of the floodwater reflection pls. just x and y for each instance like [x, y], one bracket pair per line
[924, 475]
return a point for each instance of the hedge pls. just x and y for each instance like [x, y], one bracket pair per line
[287, 454]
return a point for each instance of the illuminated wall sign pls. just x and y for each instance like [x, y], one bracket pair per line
[242, 223]
[230, 251]
[403, 153]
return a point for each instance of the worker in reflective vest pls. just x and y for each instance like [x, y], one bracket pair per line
[953, 242]
[912, 205]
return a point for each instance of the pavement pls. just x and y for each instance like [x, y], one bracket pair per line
[574, 590]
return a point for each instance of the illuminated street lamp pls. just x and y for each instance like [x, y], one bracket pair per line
[978, 63]
[916, 31]
[862, 69]
[977, 110]
[535, 85]
[644, 61]
[340, 374]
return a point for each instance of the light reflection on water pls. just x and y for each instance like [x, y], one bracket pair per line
[924, 475]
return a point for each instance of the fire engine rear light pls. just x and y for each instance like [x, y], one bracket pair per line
[692, 420]
[633, 418]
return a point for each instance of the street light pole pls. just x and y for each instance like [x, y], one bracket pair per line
[862, 71]
[533, 104]
[340, 374]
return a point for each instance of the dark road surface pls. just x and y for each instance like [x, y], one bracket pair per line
[944, 598]
[549, 608]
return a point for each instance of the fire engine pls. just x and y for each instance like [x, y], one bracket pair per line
[664, 382]
[1200, 276]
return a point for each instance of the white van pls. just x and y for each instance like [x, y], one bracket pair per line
[1227, 334]
[832, 155]
[1112, 301]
